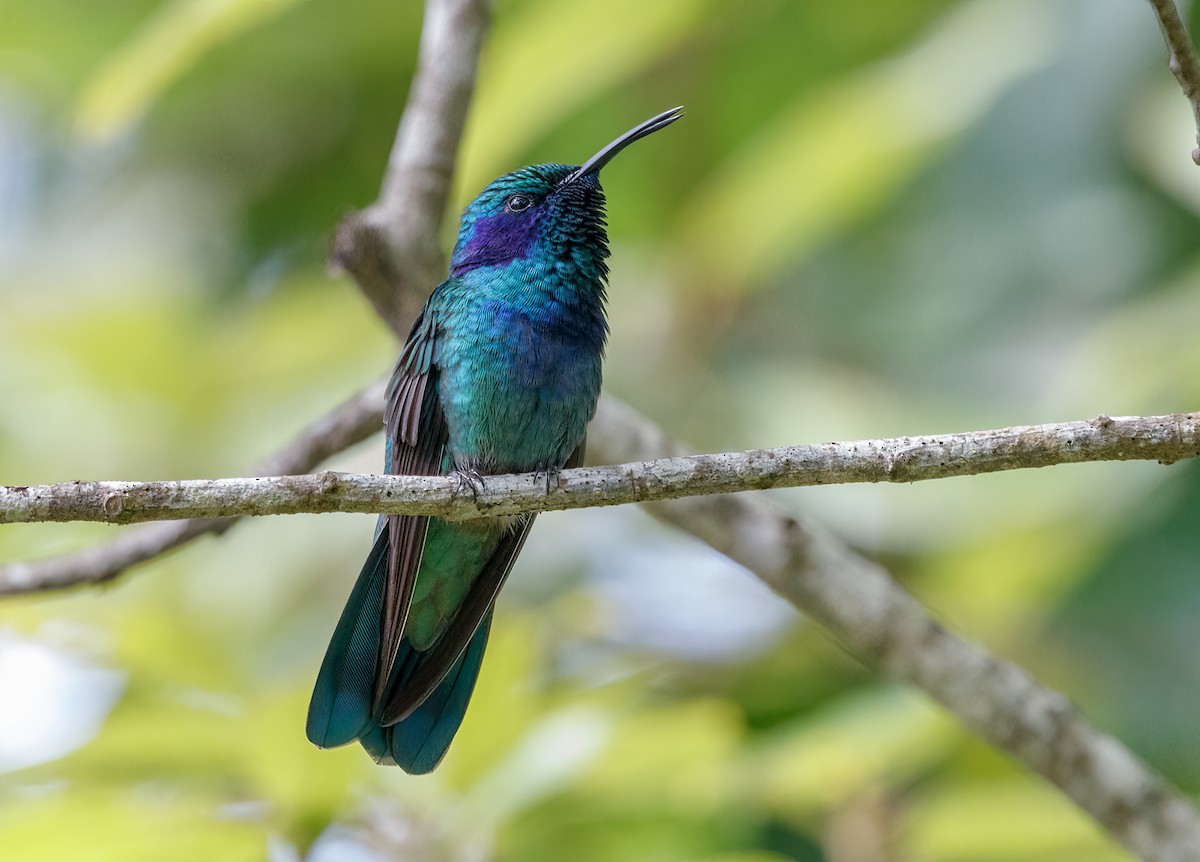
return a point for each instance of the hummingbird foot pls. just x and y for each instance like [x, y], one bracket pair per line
[470, 478]
[551, 474]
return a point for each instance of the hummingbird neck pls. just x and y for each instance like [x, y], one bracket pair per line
[574, 283]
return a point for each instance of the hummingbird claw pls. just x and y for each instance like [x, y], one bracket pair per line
[470, 478]
[550, 474]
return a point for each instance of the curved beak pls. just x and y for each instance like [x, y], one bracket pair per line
[607, 154]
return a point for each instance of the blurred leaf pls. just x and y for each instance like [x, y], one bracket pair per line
[859, 740]
[1141, 376]
[140, 825]
[679, 755]
[842, 151]
[163, 48]
[550, 757]
[1161, 134]
[518, 99]
[1135, 611]
[1016, 821]
[305, 787]
[999, 586]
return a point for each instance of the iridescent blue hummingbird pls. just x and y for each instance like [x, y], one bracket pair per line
[500, 374]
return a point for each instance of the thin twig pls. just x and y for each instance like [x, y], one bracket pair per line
[899, 460]
[1183, 60]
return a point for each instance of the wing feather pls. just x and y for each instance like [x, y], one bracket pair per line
[416, 433]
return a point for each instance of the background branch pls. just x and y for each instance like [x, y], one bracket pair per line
[898, 460]
[392, 247]
[1183, 61]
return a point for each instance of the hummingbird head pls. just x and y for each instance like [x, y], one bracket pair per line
[550, 215]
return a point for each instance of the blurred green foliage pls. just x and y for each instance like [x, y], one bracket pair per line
[877, 219]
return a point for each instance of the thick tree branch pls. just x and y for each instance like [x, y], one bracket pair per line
[391, 248]
[1183, 60]
[857, 601]
[902, 459]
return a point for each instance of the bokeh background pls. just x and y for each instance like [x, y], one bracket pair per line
[877, 219]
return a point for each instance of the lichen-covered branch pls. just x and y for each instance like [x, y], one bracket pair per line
[391, 248]
[902, 459]
[1183, 60]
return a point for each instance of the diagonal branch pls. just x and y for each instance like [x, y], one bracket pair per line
[1183, 60]
[899, 460]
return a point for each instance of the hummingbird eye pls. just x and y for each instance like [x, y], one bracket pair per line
[518, 203]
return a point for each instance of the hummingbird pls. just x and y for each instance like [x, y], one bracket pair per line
[500, 374]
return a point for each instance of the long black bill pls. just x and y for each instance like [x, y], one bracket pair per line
[606, 155]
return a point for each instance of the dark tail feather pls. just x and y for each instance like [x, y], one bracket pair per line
[340, 709]
[378, 743]
[418, 743]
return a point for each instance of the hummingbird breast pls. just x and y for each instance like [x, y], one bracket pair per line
[519, 375]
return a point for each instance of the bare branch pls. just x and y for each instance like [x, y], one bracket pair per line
[901, 459]
[352, 421]
[857, 601]
[1183, 61]
[102, 563]
[391, 248]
